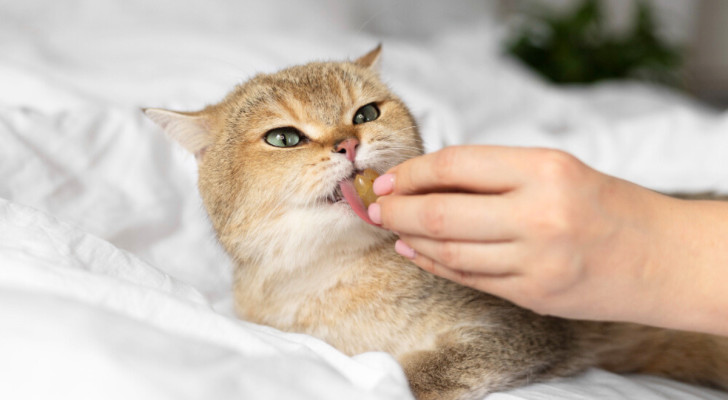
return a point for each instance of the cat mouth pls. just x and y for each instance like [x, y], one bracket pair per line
[337, 195]
[345, 192]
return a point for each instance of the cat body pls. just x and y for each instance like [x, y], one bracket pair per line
[274, 157]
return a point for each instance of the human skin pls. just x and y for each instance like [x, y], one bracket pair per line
[542, 229]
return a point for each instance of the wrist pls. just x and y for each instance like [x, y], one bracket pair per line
[686, 265]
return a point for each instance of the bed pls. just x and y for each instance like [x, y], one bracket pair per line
[111, 283]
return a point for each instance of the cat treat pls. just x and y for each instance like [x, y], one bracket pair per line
[359, 193]
[363, 184]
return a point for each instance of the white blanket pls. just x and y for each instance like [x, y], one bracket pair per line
[111, 283]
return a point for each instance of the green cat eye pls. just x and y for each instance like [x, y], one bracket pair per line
[283, 137]
[369, 112]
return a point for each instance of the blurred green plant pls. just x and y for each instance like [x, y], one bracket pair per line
[576, 47]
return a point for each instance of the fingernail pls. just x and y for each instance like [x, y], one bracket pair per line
[383, 184]
[375, 213]
[402, 249]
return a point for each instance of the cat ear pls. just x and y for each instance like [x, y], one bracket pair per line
[371, 59]
[191, 130]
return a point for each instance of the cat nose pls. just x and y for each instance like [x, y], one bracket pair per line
[348, 147]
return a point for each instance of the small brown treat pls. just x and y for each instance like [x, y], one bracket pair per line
[363, 185]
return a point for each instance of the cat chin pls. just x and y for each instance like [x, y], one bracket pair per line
[309, 236]
[345, 218]
[343, 225]
[303, 236]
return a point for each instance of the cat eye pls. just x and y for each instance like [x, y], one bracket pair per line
[283, 137]
[369, 112]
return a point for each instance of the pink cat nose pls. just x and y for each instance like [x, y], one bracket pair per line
[348, 147]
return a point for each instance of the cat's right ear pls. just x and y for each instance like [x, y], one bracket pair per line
[191, 130]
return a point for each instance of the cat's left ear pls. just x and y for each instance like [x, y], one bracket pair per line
[370, 60]
[191, 130]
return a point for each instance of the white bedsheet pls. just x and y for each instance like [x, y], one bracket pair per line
[111, 283]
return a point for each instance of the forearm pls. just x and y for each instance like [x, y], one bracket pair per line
[690, 256]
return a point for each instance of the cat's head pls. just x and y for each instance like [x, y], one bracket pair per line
[271, 155]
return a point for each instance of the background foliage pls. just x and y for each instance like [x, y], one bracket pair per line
[576, 48]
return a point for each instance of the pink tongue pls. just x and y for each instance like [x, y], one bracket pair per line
[355, 202]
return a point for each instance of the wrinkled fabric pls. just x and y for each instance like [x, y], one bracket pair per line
[111, 282]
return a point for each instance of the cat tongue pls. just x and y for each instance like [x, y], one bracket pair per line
[355, 202]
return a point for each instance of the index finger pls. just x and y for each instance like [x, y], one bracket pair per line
[475, 169]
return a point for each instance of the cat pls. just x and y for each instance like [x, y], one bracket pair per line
[273, 157]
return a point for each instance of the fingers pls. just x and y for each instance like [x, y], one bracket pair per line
[457, 216]
[492, 259]
[496, 284]
[478, 169]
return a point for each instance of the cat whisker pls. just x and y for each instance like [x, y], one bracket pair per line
[404, 129]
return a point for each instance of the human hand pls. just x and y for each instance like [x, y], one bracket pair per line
[535, 226]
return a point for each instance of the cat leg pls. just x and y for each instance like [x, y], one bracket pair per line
[468, 364]
[446, 375]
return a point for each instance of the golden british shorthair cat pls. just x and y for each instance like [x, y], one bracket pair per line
[276, 160]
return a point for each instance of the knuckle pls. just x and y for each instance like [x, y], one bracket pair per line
[556, 166]
[443, 163]
[433, 216]
[449, 254]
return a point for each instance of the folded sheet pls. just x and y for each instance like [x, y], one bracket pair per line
[111, 282]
